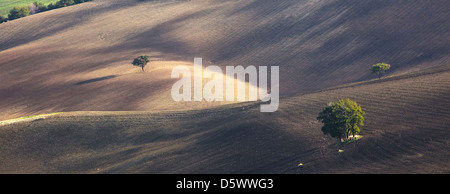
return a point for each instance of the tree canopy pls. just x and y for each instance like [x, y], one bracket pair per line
[141, 61]
[380, 69]
[341, 118]
[18, 12]
[2, 19]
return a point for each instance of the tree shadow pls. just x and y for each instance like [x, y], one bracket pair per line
[96, 79]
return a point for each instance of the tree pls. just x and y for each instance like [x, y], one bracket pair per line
[355, 116]
[380, 69]
[51, 6]
[38, 7]
[18, 12]
[141, 61]
[341, 118]
[64, 3]
[2, 19]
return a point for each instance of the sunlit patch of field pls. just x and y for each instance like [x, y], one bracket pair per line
[27, 118]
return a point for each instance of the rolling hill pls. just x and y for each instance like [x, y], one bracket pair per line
[404, 133]
[317, 44]
[118, 119]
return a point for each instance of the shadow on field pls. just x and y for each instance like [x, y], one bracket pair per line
[96, 79]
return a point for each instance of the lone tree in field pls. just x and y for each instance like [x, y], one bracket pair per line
[141, 61]
[341, 118]
[380, 69]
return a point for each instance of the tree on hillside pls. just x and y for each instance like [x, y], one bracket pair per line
[37, 7]
[141, 61]
[380, 69]
[64, 3]
[18, 12]
[355, 116]
[341, 118]
[2, 19]
[81, 1]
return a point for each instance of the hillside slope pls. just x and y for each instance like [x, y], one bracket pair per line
[406, 131]
[78, 58]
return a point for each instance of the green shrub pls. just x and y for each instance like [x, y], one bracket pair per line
[39, 7]
[64, 3]
[2, 19]
[18, 12]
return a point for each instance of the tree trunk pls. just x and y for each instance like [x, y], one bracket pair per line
[143, 69]
[353, 131]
